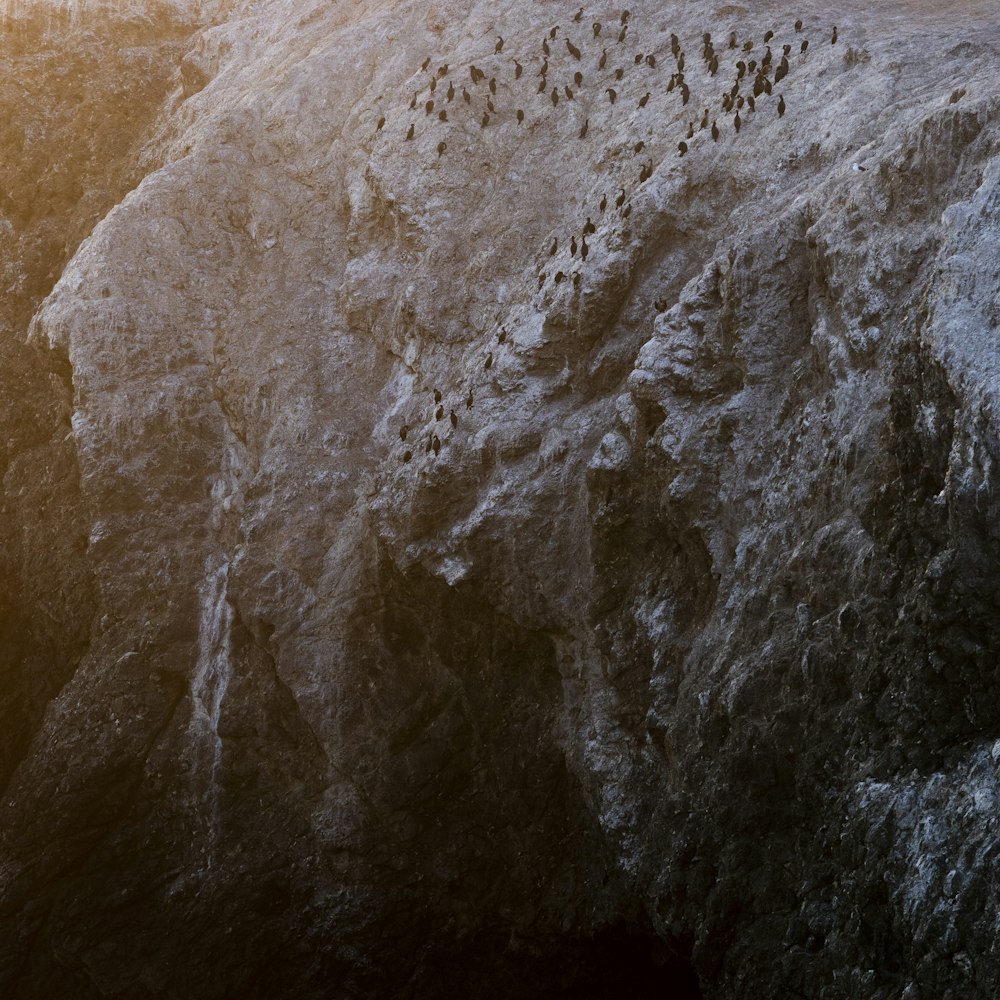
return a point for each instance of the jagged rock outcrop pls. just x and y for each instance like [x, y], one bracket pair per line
[518, 559]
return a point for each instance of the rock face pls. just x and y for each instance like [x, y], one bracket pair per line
[411, 590]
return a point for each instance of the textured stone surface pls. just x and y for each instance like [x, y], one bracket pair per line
[665, 661]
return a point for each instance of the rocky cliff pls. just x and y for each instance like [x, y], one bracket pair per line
[499, 500]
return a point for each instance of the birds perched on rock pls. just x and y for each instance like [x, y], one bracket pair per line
[518, 70]
[768, 35]
[604, 202]
[437, 445]
[781, 106]
[451, 92]
[489, 360]
[584, 248]
[437, 396]
[798, 24]
[805, 45]
[485, 120]
[682, 148]
[433, 85]
[736, 122]
[425, 64]
[439, 412]
[833, 39]
[612, 94]
[603, 61]
[380, 123]
[644, 100]
[520, 116]
[597, 28]
[493, 85]
[583, 131]
[407, 455]
[469, 400]
[409, 133]
[715, 131]
[573, 50]
[578, 78]
[589, 227]
[498, 48]
[555, 96]
[620, 200]
[442, 115]
[403, 431]
[442, 146]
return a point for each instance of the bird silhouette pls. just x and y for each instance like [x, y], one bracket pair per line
[498, 48]
[612, 94]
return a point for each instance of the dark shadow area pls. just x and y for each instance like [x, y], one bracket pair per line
[614, 963]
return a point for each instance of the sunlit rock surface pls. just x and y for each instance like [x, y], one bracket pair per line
[658, 659]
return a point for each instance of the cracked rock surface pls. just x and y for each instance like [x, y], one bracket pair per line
[456, 541]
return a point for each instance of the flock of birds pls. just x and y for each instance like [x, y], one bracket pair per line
[586, 63]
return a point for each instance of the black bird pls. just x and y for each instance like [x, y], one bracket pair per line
[704, 119]
[603, 61]
[380, 123]
[518, 70]
[715, 131]
[555, 96]
[434, 84]
[502, 335]
[672, 83]
[558, 276]
[542, 85]
[644, 100]
[425, 63]
[786, 49]
[833, 39]
[604, 202]
[552, 33]
[752, 65]
[619, 73]
[766, 61]
[442, 146]
[690, 132]
[493, 84]
[589, 227]
[651, 61]
[576, 280]
[407, 455]
[732, 39]
[685, 93]
[439, 413]
[768, 35]
[453, 416]
[520, 116]
[572, 247]
[584, 249]
[578, 15]
[428, 107]
[758, 87]
[545, 68]
[781, 106]
[437, 445]
[485, 120]
[578, 78]
[573, 50]
[612, 94]
[621, 34]
[736, 122]
[489, 361]
[545, 46]
[727, 103]
[409, 134]
[798, 24]
[638, 58]
[626, 14]
[713, 66]
[437, 395]
[751, 104]
[469, 401]
[583, 131]
[639, 147]
[747, 45]
[403, 431]
[489, 106]
[620, 200]
[680, 62]
[499, 45]
[767, 86]
[741, 70]
[554, 247]
[682, 147]
[781, 72]
[675, 45]
[442, 116]
[805, 45]
[597, 28]
[627, 211]
[413, 103]
[451, 92]
[443, 70]
[569, 93]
